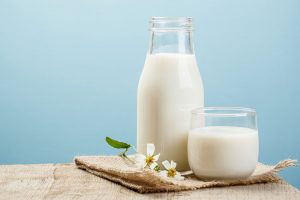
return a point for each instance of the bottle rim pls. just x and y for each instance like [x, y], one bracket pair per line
[162, 24]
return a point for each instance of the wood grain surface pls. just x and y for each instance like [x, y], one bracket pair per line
[65, 181]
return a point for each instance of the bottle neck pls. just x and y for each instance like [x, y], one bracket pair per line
[171, 42]
[171, 35]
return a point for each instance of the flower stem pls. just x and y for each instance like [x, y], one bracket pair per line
[124, 156]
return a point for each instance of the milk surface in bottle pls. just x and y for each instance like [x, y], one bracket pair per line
[169, 87]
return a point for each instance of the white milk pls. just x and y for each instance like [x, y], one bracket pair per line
[223, 152]
[169, 87]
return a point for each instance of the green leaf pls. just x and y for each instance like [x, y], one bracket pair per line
[117, 144]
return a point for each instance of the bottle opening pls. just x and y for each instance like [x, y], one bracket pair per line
[171, 24]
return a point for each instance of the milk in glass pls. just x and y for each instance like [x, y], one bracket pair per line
[223, 151]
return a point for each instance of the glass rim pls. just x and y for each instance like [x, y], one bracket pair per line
[223, 111]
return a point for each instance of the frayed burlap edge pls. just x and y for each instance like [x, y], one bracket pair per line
[147, 181]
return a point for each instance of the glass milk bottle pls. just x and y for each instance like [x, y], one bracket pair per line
[170, 87]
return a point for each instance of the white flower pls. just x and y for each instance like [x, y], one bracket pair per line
[149, 160]
[170, 170]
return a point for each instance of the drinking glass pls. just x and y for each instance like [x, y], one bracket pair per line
[223, 142]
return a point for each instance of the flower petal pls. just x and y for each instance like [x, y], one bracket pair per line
[150, 149]
[166, 164]
[163, 173]
[155, 158]
[139, 158]
[153, 165]
[178, 177]
[173, 164]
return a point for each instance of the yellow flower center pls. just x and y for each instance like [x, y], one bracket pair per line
[149, 160]
[171, 172]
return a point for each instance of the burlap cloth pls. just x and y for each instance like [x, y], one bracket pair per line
[118, 170]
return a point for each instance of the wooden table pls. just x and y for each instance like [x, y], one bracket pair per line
[65, 181]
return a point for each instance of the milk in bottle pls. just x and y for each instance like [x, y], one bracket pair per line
[170, 86]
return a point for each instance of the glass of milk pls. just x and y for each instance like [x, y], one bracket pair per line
[223, 142]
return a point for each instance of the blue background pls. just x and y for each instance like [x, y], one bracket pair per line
[69, 72]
